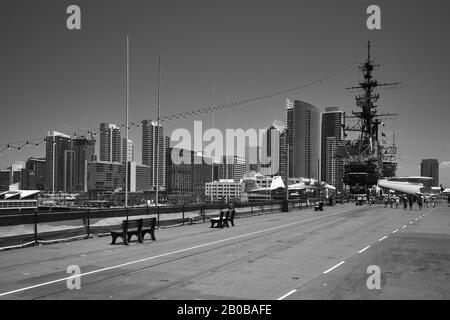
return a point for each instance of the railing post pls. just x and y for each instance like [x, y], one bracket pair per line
[88, 222]
[203, 214]
[157, 211]
[183, 214]
[35, 226]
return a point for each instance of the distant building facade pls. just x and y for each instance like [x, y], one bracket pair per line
[36, 169]
[304, 139]
[153, 139]
[110, 177]
[232, 167]
[332, 166]
[430, 168]
[225, 190]
[274, 149]
[127, 150]
[187, 179]
[110, 142]
[56, 160]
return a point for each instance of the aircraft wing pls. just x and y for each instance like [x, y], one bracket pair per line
[402, 186]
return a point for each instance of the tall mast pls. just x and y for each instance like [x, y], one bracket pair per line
[364, 159]
[126, 127]
[157, 131]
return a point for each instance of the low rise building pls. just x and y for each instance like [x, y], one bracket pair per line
[225, 190]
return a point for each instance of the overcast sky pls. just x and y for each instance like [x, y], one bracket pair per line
[53, 78]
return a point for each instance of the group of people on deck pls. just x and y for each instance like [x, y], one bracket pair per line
[409, 200]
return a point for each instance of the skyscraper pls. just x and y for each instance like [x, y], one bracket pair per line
[83, 153]
[334, 165]
[56, 160]
[109, 142]
[127, 150]
[290, 135]
[150, 134]
[304, 139]
[430, 168]
[331, 166]
[274, 144]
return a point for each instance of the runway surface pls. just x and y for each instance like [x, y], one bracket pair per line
[296, 255]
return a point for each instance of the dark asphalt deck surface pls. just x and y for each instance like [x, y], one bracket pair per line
[262, 257]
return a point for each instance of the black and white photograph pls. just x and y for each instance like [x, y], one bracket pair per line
[226, 156]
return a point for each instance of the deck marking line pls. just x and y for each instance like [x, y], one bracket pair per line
[287, 295]
[383, 238]
[395, 231]
[361, 251]
[332, 268]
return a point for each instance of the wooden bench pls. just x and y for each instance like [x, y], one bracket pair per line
[229, 217]
[128, 229]
[148, 226]
[319, 207]
[222, 221]
[139, 228]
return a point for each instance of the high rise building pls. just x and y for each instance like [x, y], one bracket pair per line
[83, 153]
[430, 168]
[127, 150]
[56, 160]
[290, 135]
[331, 140]
[151, 137]
[110, 142]
[303, 121]
[274, 145]
[4, 180]
[334, 165]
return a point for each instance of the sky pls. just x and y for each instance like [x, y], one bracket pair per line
[53, 78]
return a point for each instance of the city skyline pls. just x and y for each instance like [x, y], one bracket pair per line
[194, 62]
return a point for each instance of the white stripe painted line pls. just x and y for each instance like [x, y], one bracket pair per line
[404, 226]
[383, 238]
[287, 295]
[395, 231]
[163, 255]
[410, 222]
[332, 268]
[361, 251]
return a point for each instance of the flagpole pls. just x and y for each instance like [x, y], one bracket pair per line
[158, 132]
[126, 128]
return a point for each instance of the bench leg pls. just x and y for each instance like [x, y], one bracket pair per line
[124, 238]
[152, 234]
[232, 222]
[114, 238]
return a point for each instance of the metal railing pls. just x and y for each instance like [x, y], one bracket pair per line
[27, 229]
